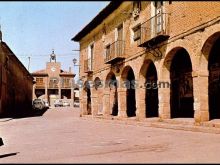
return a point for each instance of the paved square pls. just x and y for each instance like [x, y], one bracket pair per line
[61, 136]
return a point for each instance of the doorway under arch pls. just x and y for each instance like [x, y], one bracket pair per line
[129, 78]
[151, 94]
[181, 91]
[88, 94]
[112, 86]
[214, 80]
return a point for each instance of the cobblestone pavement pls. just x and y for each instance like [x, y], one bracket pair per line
[61, 136]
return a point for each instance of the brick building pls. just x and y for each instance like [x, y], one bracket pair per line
[131, 46]
[16, 84]
[54, 83]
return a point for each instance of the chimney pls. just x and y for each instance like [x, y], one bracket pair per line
[70, 69]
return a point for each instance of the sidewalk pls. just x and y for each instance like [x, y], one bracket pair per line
[185, 124]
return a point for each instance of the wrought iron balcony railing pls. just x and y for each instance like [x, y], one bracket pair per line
[115, 51]
[154, 30]
[88, 65]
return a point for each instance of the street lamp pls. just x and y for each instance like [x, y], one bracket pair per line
[75, 61]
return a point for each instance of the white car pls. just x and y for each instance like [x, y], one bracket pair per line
[66, 103]
[58, 103]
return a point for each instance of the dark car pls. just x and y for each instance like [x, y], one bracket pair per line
[76, 103]
[38, 104]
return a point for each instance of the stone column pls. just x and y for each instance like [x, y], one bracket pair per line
[200, 92]
[140, 101]
[46, 93]
[122, 104]
[59, 92]
[83, 105]
[94, 100]
[106, 102]
[72, 97]
[164, 88]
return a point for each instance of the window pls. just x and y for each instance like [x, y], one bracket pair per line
[137, 32]
[66, 82]
[53, 82]
[90, 56]
[158, 16]
[39, 80]
[136, 9]
[107, 51]
[136, 5]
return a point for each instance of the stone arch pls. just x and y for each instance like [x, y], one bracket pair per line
[211, 60]
[148, 78]
[178, 63]
[128, 79]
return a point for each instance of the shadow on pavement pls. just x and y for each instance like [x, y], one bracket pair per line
[7, 155]
[33, 113]
[20, 113]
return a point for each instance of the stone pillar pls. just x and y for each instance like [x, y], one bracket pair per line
[83, 105]
[72, 97]
[122, 104]
[106, 102]
[94, 100]
[140, 101]
[46, 92]
[59, 92]
[200, 92]
[164, 87]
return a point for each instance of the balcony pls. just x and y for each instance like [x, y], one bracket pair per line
[53, 85]
[154, 31]
[115, 52]
[39, 85]
[88, 65]
[66, 85]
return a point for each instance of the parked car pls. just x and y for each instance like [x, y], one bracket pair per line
[76, 103]
[58, 103]
[38, 104]
[66, 103]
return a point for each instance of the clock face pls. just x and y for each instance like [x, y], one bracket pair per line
[53, 69]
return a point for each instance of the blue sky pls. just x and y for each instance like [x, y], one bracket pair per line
[35, 28]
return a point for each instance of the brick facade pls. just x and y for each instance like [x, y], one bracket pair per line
[180, 54]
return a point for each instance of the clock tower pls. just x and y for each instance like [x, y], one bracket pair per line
[53, 67]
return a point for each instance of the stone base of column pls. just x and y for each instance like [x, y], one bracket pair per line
[140, 115]
[201, 116]
[122, 114]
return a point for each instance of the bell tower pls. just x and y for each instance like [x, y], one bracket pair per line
[53, 56]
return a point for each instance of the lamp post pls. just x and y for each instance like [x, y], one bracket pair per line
[74, 64]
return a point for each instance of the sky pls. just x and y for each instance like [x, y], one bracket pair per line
[33, 29]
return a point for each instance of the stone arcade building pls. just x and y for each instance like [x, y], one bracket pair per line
[173, 44]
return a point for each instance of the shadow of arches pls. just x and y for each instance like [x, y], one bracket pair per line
[7, 155]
